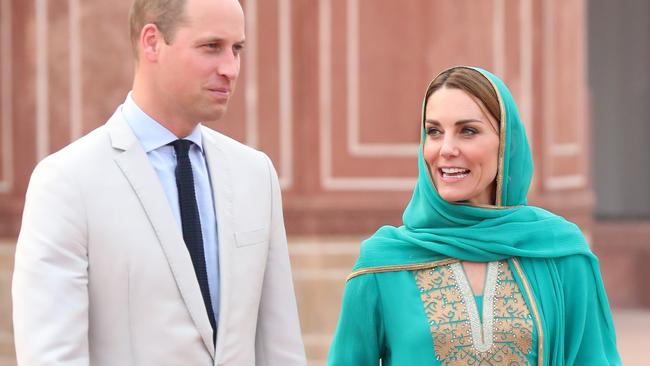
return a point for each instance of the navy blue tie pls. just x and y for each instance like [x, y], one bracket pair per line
[191, 221]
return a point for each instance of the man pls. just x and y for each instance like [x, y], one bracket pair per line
[153, 237]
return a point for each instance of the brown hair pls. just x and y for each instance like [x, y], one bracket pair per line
[165, 14]
[472, 82]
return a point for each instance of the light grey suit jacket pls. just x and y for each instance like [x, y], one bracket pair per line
[103, 277]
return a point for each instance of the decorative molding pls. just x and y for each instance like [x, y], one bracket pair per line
[286, 94]
[581, 105]
[6, 183]
[526, 59]
[325, 89]
[311, 274]
[42, 82]
[553, 148]
[498, 37]
[570, 149]
[325, 248]
[369, 184]
[548, 54]
[76, 95]
[565, 182]
[251, 92]
[327, 180]
[251, 98]
[354, 145]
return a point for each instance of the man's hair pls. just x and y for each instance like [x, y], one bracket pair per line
[167, 15]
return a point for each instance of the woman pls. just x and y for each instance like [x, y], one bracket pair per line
[474, 276]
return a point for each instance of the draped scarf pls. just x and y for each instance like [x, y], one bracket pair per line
[434, 229]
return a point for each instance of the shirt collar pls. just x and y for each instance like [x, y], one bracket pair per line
[151, 134]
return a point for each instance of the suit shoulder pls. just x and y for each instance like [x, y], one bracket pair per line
[82, 151]
[233, 147]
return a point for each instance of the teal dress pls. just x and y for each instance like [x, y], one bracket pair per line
[424, 317]
[407, 301]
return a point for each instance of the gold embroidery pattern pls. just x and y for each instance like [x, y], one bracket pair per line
[451, 329]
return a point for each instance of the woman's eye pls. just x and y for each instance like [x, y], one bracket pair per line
[433, 131]
[469, 131]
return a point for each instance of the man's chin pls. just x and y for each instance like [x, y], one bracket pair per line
[214, 115]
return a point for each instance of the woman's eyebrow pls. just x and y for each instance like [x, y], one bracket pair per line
[459, 122]
[466, 121]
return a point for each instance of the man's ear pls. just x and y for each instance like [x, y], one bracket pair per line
[150, 42]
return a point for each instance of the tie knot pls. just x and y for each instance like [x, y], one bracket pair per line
[181, 146]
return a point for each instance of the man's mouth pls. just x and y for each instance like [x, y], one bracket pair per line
[220, 92]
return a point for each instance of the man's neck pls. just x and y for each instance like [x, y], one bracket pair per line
[152, 108]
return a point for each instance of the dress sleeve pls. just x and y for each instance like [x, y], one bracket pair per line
[590, 338]
[358, 340]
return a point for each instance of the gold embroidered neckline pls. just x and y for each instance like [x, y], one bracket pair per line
[459, 337]
[482, 335]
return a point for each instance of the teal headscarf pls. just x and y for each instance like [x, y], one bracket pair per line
[435, 229]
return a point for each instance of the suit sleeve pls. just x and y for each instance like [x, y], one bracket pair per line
[590, 337]
[278, 341]
[49, 289]
[358, 340]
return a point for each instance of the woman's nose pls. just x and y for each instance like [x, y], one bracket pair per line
[449, 147]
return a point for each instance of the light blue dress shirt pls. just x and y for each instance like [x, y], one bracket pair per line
[154, 139]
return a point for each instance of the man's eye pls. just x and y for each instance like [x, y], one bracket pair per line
[237, 49]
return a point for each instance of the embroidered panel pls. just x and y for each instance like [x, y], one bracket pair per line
[459, 338]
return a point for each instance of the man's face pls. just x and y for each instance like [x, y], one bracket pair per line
[197, 71]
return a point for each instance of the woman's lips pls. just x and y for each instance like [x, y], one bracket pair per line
[452, 175]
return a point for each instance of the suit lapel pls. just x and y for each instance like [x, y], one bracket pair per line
[137, 169]
[221, 181]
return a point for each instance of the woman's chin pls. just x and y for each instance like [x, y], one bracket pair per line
[453, 198]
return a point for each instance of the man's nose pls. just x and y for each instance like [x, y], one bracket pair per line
[229, 66]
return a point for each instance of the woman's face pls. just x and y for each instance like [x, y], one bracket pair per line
[461, 146]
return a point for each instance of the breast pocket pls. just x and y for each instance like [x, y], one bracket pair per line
[251, 237]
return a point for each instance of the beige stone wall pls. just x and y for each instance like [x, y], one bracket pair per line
[7, 357]
[320, 266]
